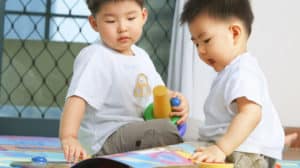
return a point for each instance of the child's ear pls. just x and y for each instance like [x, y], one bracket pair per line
[93, 22]
[236, 32]
[145, 15]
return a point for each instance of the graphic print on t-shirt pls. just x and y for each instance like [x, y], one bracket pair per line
[142, 88]
[142, 91]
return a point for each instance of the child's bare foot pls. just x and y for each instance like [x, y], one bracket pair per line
[290, 138]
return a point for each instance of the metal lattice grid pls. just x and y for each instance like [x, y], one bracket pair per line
[41, 38]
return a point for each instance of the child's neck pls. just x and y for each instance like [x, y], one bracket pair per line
[241, 49]
[127, 52]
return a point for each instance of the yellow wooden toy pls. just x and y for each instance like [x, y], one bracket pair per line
[216, 165]
[162, 106]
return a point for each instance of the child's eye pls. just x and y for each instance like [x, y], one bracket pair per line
[206, 41]
[131, 18]
[110, 21]
[197, 45]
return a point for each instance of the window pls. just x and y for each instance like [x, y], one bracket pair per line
[47, 19]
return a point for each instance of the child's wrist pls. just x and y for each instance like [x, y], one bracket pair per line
[221, 149]
[67, 137]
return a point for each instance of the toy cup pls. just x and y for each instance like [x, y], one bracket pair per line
[162, 106]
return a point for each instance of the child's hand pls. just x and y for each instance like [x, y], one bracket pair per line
[182, 110]
[73, 151]
[210, 154]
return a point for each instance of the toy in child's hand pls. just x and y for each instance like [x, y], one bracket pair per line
[161, 108]
[175, 102]
[181, 127]
[161, 104]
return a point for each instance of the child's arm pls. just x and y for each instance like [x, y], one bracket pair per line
[247, 118]
[182, 110]
[69, 125]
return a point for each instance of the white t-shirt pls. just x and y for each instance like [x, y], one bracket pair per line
[243, 78]
[116, 88]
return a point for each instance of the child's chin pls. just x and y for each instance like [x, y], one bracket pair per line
[218, 69]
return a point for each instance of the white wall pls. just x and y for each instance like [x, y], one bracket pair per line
[275, 43]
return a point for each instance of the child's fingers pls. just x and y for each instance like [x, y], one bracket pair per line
[177, 109]
[200, 149]
[196, 155]
[173, 94]
[182, 108]
[66, 151]
[84, 155]
[182, 116]
[199, 157]
[174, 113]
[77, 155]
[71, 154]
[182, 119]
[209, 160]
[202, 158]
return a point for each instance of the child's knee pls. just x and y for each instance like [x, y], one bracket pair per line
[169, 132]
[163, 132]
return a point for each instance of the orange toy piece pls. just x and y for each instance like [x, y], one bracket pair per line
[277, 165]
[162, 106]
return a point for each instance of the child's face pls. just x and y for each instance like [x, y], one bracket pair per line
[120, 24]
[214, 40]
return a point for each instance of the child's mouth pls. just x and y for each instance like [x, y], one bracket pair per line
[123, 39]
[211, 61]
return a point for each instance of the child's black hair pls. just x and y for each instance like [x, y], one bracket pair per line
[95, 5]
[222, 9]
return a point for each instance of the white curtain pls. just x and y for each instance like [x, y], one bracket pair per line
[187, 74]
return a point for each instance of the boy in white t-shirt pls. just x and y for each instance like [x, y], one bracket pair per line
[111, 86]
[240, 119]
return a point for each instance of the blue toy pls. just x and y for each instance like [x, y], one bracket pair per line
[39, 160]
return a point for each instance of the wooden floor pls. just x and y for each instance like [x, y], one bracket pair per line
[291, 154]
[290, 130]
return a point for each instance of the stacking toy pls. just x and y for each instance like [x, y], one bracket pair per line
[161, 108]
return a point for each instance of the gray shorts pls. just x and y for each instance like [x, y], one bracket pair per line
[141, 135]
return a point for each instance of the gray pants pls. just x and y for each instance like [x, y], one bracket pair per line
[141, 135]
[243, 159]
[250, 160]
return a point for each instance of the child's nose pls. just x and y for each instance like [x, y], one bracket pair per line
[201, 50]
[122, 27]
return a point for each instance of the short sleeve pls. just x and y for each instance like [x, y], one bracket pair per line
[91, 78]
[243, 83]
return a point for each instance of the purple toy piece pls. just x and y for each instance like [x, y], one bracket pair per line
[181, 129]
[175, 101]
